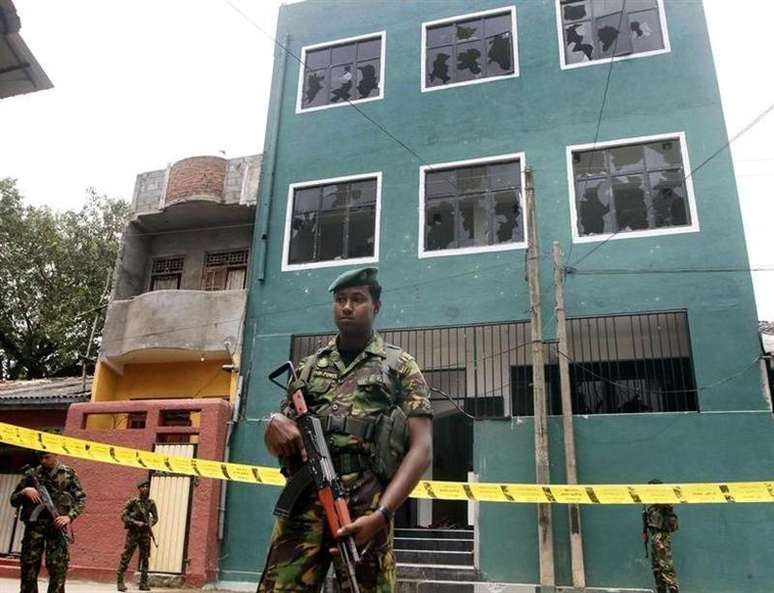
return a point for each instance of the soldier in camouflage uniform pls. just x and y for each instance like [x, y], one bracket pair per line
[139, 517]
[660, 521]
[352, 383]
[45, 534]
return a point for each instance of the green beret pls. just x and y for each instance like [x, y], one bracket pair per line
[145, 482]
[357, 277]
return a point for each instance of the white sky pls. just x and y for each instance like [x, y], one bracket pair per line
[140, 83]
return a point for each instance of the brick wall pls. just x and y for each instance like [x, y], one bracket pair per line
[197, 176]
[147, 191]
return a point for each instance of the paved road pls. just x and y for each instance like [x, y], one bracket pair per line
[12, 586]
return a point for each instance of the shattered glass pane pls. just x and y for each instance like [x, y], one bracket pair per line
[498, 54]
[306, 200]
[343, 54]
[368, 79]
[610, 42]
[443, 35]
[593, 197]
[664, 154]
[496, 25]
[361, 232]
[438, 66]
[589, 163]
[508, 227]
[670, 207]
[576, 11]
[320, 58]
[341, 83]
[332, 226]
[468, 30]
[313, 84]
[645, 31]
[631, 211]
[303, 231]
[439, 225]
[626, 159]
[469, 61]
[363, 192]
[369, 50]
[335, 196]
[471, 179]
[440, 183]
[504, 175]
[578, 42]
[474, 221]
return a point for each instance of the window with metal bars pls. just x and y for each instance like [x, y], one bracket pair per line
[598, 29]
[166, 273]
[225, 270]
[618, 364]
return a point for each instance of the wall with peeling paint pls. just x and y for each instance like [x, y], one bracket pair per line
[540, 112]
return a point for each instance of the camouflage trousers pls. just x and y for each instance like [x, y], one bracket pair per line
[299, 558]
[40, 538]
[661, 562]
[136, 538]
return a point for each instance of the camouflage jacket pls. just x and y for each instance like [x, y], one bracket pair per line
[361, 388]
[661, 517]
[62, 484]
[139, 509]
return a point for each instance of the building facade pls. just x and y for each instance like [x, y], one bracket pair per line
[402, 141]
[167, 373]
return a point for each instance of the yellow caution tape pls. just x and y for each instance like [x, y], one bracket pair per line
[725, 492]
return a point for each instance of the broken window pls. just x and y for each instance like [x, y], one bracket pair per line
[474, 206]
[225, 270]
[599, 29]
[342, 73]
[166, 273]
[333, 222]
[630, 187]
[469, 49]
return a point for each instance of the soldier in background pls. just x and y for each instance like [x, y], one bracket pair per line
[43, 532]
[659, 521]
[139, 517]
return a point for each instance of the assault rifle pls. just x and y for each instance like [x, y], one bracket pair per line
[146, 518]
[318, 470]
[47, 504]
[645, 533]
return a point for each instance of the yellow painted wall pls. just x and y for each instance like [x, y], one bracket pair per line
[164, 380]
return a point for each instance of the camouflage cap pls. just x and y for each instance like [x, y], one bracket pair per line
[357, 277]
[145, 482]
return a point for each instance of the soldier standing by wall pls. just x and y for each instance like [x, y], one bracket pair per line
[139, 517]
[659, 521]
[43, 532]
[356, 384]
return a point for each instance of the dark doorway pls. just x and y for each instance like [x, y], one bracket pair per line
[452, 460]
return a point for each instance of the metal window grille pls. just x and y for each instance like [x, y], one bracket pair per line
[167, 265]
[618, 364]
[237, 257]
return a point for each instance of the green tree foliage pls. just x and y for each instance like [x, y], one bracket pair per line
[53, 269]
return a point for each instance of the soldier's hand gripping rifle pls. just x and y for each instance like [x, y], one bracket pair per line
[317, 470]
[146, 519]
[47, 504]
[645, 534]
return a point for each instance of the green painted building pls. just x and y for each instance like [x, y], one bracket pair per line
[402, 141]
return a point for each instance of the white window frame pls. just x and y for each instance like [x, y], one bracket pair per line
[678, 230]
[563, 60]
[459, 17]
[288, 267]
[302, 67]
[437, 167]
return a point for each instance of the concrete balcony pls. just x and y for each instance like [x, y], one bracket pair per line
[172, 326]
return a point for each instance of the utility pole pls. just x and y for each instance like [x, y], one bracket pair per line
[86, 357]
[571, 469]
[545, 535]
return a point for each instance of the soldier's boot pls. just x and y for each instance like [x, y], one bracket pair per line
[120, 585]
[144, 583]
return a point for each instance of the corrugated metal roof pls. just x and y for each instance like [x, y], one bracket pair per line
[45, 392]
